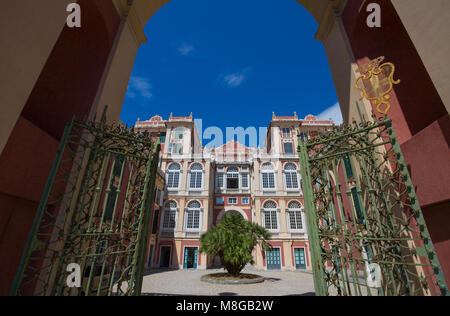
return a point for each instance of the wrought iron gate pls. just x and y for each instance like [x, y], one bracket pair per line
[367, 231]
[92, 221]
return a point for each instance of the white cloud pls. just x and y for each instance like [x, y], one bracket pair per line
[185, 49]
[333, 112]
[139, 86]
[235, 79]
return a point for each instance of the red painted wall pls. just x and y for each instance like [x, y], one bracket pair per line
[419, 117]
[65, 88]
[415, 103]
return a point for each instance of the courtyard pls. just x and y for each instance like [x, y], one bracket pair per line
[158, 282]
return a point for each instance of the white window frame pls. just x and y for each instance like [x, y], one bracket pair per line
[234, 198]
[248, 180]
[179, 177]
[248, 200]
[235, 176]
[186, 215]
[201, 180]
[223, 174]
[272, 171]
[284, 135]
[263, 213]
[288, 219]
[285, 172]
[164, 213]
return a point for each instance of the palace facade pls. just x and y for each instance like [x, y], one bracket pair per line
[203, 184]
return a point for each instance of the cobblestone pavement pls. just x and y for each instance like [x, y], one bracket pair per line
[187, 282]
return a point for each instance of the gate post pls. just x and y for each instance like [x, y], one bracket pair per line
[320, 284]
[147, 216]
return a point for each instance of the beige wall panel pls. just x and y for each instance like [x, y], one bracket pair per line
[428, 25]
[28, 31]
[341, 61]
[116, 80]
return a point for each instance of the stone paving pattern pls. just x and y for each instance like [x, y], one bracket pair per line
[187, 282]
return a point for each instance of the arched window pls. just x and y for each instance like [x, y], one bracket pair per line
[291, 178]
[270, 218]
[267, 176]
[193, 216]
[196, 176]
[173, 176]
[170, 216]
[232, 178]
[295, 216]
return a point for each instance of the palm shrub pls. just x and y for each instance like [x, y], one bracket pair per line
[233, 241]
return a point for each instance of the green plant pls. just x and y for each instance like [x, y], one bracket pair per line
[233, 241]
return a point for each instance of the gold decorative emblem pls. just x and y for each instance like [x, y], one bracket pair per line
[375, 83]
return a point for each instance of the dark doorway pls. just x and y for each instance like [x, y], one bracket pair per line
[165, 256]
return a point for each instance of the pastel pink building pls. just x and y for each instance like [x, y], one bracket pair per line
[203, 184]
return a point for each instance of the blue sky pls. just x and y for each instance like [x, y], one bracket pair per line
[232, 63]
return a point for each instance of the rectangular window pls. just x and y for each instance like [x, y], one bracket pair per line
[220, 180]
[196, 179]
[245, 201]
[295, 220]
[193, 219]
[232, 200]
[270, 220]
[219, 200]
[288, 148]
[348, 166]
[291, 180]
[178, 149]
[286, 132]
[359, 213]
[169, 219]
[173, 179]
[175, 148]
[268, 180]
[244, 180]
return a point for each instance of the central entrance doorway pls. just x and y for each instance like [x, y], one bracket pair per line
[190, 258]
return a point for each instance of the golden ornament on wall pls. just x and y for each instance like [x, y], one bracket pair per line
[376, 82]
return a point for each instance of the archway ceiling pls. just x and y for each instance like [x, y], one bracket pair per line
[145, 9]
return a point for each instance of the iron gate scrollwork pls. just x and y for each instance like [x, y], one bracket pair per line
[366, 228]
[94, 213]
